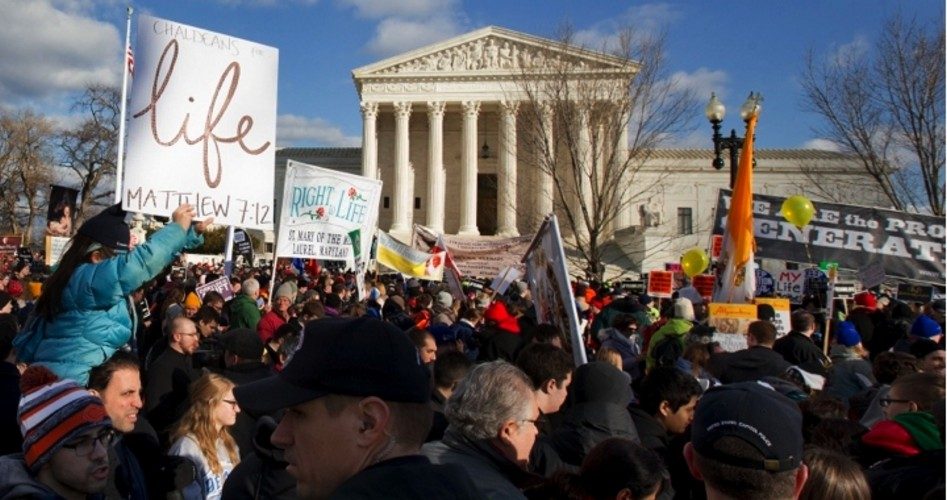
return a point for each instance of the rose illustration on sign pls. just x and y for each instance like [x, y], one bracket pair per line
[354, 195]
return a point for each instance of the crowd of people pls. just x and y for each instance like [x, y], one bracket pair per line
[119, 380]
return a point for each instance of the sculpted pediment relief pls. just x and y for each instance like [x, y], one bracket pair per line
[487, 54]
[492, 50]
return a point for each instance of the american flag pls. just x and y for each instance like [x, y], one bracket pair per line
[130, 60]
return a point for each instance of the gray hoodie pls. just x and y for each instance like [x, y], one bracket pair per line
[19, 483]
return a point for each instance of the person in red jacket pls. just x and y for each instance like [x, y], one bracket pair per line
[279, 314]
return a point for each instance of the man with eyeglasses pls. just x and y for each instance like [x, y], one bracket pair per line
[170, 374]
[492, 418]
[66, 437]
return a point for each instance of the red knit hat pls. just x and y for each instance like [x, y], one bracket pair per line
[866, 299]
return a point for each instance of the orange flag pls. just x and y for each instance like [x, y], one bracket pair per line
[738, 282]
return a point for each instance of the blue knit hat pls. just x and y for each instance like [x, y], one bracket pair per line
[846, 334]
[925, 326]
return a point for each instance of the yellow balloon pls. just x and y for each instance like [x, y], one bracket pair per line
[694, 261]
[798, 210]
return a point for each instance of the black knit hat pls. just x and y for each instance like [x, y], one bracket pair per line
[108, 228]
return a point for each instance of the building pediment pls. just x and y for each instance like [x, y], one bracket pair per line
[492, 51]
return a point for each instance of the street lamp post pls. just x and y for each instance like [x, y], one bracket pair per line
[715, 111]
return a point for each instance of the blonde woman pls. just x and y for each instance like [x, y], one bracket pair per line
[202, 434]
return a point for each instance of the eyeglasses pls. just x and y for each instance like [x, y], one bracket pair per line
[85, 446]
[232, 403]
[885, 402]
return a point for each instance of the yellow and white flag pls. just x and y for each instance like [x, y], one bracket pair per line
[409, 261]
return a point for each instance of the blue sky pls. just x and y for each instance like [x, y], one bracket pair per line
[50, 48]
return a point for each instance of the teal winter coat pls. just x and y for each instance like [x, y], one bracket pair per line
[94, 319]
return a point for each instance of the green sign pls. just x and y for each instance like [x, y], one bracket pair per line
[355, 237]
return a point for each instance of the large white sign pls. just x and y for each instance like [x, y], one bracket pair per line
[202, 125]
[320, 208]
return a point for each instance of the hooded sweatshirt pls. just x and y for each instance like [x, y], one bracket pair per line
[18, 483]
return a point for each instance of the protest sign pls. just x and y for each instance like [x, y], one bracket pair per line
[61, 209]
[548, 280]
[480, 257]
[9, 244]
[730, 322]
[872, 275]
[704, 283]
[765, 284]
[907, 245]
[716, 246]
[782, 308]
[243, 245]
[792, 284]
[661, 284]
[55, 247]
[320, 208]
[219, 285]
[202, 125]
[505, 279]
[914, 293]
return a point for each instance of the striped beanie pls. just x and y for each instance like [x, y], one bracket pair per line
[53, 411]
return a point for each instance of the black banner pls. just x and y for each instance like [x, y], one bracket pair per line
[907, 245]
[243, 245]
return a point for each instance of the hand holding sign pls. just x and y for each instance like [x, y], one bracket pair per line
[185, 213]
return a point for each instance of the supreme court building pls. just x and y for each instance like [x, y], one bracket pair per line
[440, 129]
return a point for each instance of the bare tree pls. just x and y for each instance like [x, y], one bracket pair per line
[89, 149]
[26, 142]
[887, 109]
[591, 126]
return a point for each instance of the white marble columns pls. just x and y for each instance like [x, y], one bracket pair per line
[369, 140]
[436, 179]
[584, 189]
[468, 171]
[624, 206]
[506, 173]
[544, 195]
[403, 189]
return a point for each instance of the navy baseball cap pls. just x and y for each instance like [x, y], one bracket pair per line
[344, 356]
[755, 413]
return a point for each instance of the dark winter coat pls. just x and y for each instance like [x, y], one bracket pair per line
[749, 364]
[801, 351]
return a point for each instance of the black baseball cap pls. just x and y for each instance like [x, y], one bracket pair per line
[754, 412]
[345, 356]
[243, 342]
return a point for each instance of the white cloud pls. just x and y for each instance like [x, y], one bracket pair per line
[377, 9]
[821, 144]
[295, 129]
[395, 35]
[407, 24]
[847, 53]
[265, 3]
[645, 19]
[46, 49]
[702, 82]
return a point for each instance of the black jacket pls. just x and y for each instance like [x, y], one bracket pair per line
[599, 397]
[11, 441]
[801, 351]
[907, 477]
[409, 477]
[749, 364]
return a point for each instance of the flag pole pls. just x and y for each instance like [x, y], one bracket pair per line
[120, 162]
